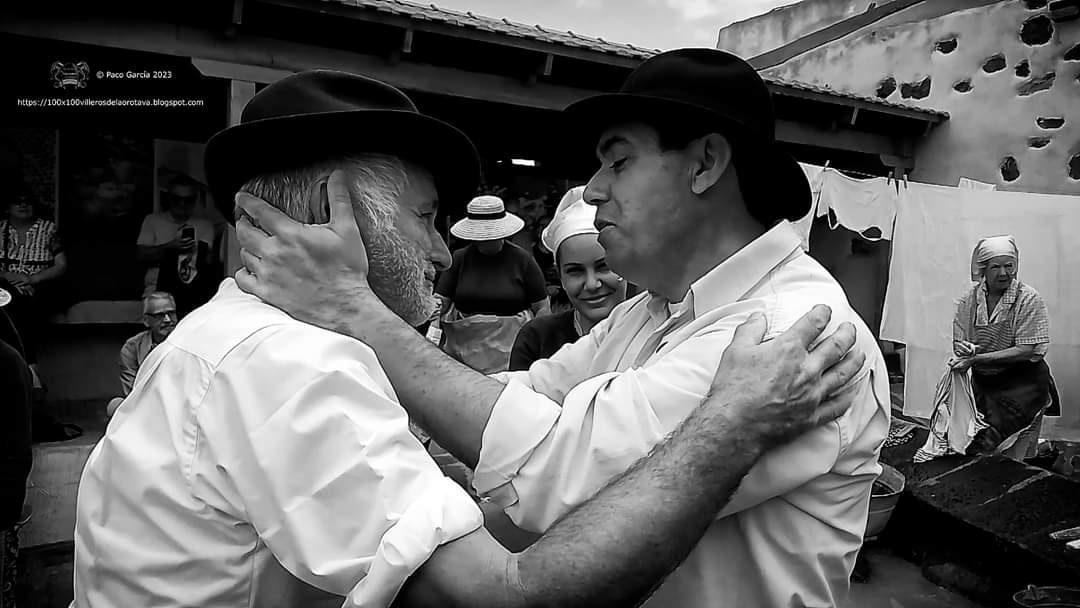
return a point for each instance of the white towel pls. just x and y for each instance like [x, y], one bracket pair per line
[955, 421]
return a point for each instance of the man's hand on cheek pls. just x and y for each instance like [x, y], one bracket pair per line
[315, 272]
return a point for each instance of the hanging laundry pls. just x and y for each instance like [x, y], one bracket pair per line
[866, 206]
[814, 175]
[971, 184]
[930, 268]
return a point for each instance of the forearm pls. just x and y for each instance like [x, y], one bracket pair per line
[54, 272]
[1015, 354]
[617, 547]
[449, 400]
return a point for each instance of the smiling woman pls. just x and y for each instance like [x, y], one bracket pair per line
[593, 289]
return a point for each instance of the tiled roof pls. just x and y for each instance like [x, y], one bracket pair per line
[431, 12]
[802, 86]
[468, 19]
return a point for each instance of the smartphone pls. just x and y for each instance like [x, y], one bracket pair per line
[187, 232]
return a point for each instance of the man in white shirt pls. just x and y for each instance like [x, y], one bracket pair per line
[266, 462]
[694, 199]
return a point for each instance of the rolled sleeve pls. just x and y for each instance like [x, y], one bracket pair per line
[539, 460]
[326, 469]
[520, 420]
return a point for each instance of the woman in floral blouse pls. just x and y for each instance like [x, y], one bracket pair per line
[31, 260]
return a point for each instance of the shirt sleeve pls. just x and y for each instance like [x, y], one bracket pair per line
[147, 238]
[55, 245]
[1032, 323]
[960, 320]
[129, 366]
[326, 469]
[560, 455]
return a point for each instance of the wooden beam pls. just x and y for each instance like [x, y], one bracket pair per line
[240, 92]
[854, 116]
[834, 100]
[548, 60]
[448, 29]
[789, 131]
[265, 59]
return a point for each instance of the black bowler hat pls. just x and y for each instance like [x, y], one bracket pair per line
[718, 92]
[319, 114]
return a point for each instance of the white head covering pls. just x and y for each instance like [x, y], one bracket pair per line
[486, 220]
[573, 216]
[989, 248]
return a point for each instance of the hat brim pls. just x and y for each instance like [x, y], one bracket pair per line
[775, 179]
[237, 154]
[487, 230]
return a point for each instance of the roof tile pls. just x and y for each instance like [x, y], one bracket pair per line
[468, 19]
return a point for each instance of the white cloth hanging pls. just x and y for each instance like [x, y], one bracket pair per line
[802, 226]
[931, 264]
[858, 204]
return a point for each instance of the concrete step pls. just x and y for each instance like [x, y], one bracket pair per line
[981, 525]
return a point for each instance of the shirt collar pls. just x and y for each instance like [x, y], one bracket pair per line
[733, 278]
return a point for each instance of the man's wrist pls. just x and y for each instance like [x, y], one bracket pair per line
[735, 426]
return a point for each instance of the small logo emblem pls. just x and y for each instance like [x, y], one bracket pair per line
[73, 75]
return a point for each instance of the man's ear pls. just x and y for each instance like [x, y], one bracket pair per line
[710, 157]
[319, 201]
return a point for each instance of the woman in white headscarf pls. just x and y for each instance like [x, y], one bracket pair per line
[592, 288]
[1001, 332]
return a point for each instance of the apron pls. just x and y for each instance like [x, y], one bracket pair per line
[483, 342]
[1010, 397]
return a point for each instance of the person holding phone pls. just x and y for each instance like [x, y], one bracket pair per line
[177, 247]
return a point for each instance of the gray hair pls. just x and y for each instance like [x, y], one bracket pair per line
[157, 295]
[375, 181]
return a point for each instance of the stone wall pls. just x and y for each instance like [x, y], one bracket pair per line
[1008, 76]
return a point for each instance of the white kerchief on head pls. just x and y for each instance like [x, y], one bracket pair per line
[992, 247]
[573, 216]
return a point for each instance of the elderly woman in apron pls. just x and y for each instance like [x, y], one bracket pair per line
[491, 290]
[1001, 332]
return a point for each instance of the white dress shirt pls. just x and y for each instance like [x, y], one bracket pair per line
[259, 461]
[790, 534]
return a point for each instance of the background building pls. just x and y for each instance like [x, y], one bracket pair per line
[1007, 71]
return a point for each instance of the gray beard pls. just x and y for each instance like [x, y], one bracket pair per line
[396, 271]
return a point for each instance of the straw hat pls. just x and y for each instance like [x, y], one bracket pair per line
[486, 220]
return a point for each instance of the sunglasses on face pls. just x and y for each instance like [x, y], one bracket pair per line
[157, 316]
